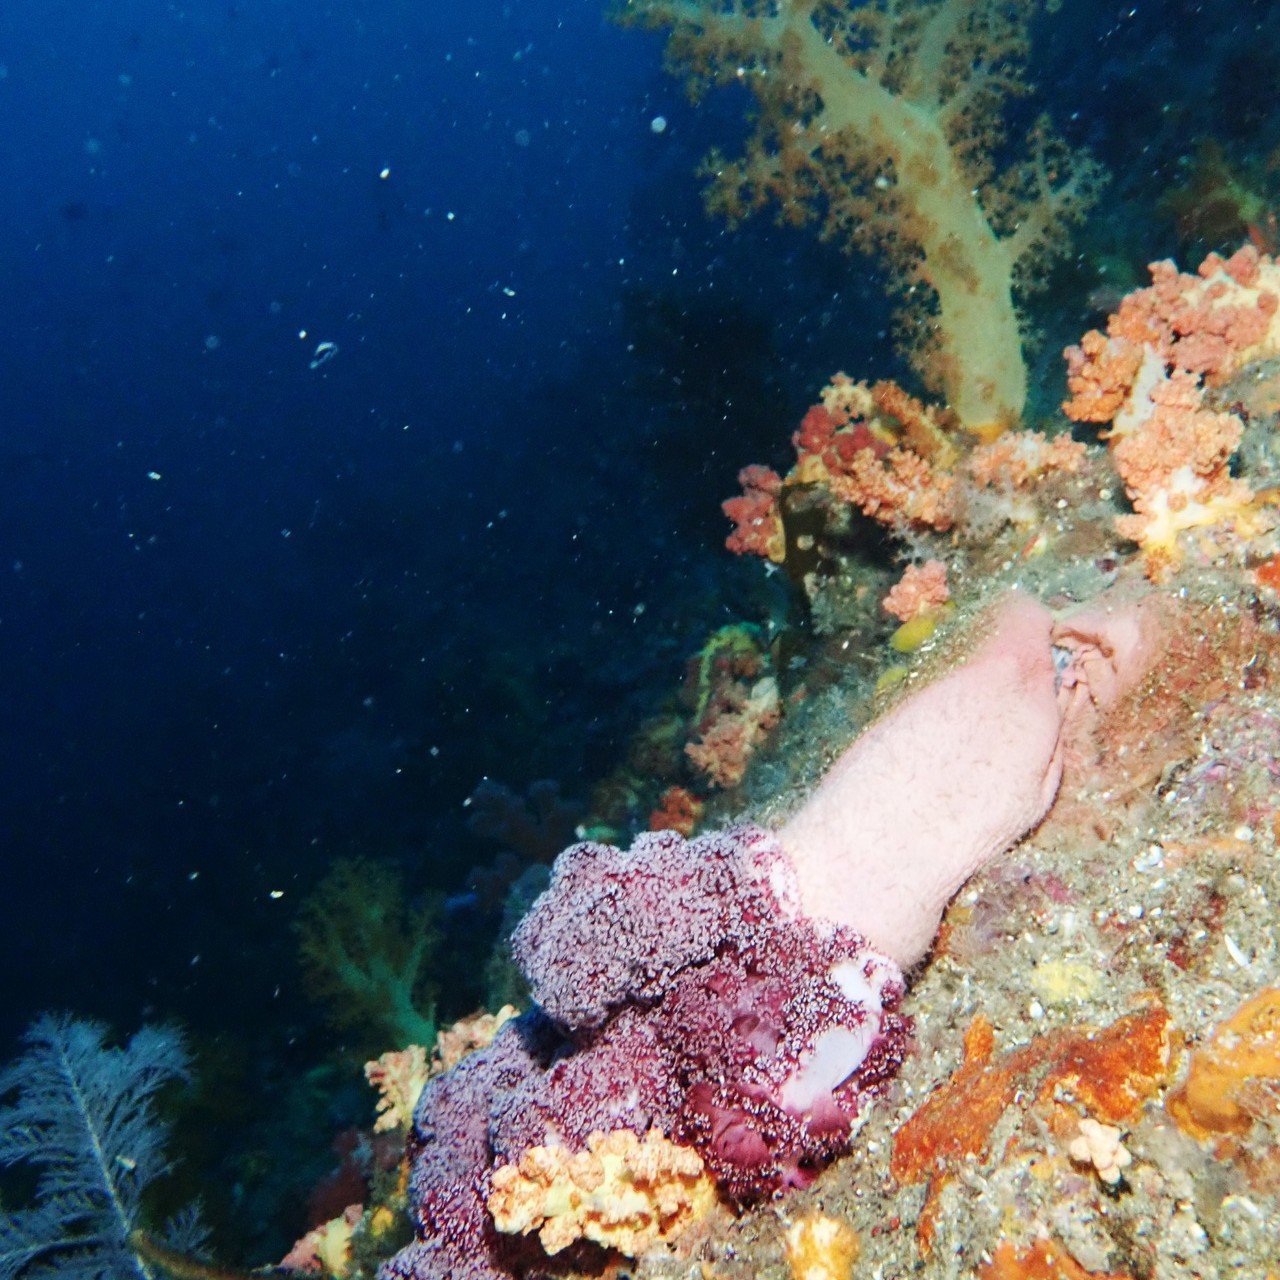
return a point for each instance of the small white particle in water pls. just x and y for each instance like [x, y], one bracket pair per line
[658, 124]
[275, 894]
[323, 353]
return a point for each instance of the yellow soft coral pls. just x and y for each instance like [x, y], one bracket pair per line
[821, 1248]
[623, 1192]
[368, 954]
[399, 1077]
[878, 123]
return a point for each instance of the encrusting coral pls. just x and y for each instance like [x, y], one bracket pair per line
[1232, 1077]
[878, 122]
[821, 1248]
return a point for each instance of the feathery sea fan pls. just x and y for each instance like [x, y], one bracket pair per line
[83, 1118]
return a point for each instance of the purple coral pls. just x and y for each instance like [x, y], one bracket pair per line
[617, 925]
[678, 988]
[778, 1044]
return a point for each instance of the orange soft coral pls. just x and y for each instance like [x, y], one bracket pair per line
[899, 490]
[1019, 458]
[678, 810]
[881, 450]
[1146, 377]
[737, 725]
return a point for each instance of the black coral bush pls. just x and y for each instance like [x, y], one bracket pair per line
[81, 1117]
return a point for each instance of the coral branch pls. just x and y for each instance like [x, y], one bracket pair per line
[877, 124]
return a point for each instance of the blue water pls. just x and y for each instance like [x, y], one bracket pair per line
[260, 610]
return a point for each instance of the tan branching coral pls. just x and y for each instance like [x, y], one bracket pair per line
[624, 1192]
[468, 1034]
[326, 1250]
[399, 1077]
[1102, 1146]
[877, 123]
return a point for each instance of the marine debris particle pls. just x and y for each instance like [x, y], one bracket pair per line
[323, 353]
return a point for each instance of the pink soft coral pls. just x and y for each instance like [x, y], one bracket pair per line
[921, 587]
[944, 782]
[757, 522]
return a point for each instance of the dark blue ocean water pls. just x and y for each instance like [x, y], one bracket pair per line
[252, 609]
[259, 610]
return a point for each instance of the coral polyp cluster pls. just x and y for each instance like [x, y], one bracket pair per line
[1147, 379]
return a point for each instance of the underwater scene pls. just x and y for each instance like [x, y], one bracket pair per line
[640, 638]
